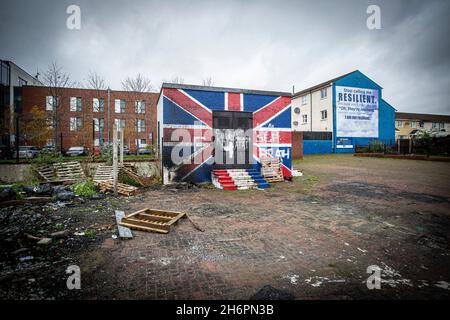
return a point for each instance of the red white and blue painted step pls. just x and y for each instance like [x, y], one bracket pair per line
[234, 179]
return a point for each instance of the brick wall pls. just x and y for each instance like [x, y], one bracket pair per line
[36, 96]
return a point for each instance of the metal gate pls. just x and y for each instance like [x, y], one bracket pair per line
[232, 139]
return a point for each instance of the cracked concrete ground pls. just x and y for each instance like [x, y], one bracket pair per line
[313, 238]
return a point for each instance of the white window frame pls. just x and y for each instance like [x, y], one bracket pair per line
[323, 93]
[74, 104]
[118, 106]
[140, 106]
[119, 123]
[141, 125]
[304, 118]
[304, 100]
[399, 123]
[74, 126]
[414, 124]
[95, 105]
[50, 103]
[322, 113]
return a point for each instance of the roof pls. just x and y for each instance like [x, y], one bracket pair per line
[422, 117]
[90, 89]
[221, 89]
[11, 63]
[323, 84]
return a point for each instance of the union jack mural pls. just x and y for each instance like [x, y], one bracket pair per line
[186, 108]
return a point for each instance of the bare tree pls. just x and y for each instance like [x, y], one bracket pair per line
[138, 83]
[177, 79]
[96, 81]
[56, 80]
[208, 82]
[135, 87]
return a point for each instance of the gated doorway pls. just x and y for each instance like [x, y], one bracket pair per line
[232, 139]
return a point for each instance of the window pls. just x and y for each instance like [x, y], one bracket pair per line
[305, 118]
[98, 105]
[399, 124]
[119, 123]
[119, 106]
[50, 123]
[140, 106]
[304, 100]
[141, 143]
[99, 124]
[75, 104]
[22, 82]
[324, 114]
[323, 93]
[413, 124]
[76, 123]
[50, 143]
[421, 124]
[5, 69]
[50, 103]
[140, 125]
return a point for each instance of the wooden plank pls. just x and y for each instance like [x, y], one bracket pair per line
[143, 228]
[124, 232]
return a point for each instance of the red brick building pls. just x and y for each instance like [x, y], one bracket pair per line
[85, 117]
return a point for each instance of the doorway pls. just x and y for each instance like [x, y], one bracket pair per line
[232, 139]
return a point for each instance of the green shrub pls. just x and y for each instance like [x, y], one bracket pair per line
[84, 189]
[376, 146]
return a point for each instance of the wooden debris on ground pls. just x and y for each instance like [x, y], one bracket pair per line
[271, 169]
[122, 188]
[152, 220]
[124, 232]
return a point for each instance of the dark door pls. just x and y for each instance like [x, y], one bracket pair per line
[233, 139]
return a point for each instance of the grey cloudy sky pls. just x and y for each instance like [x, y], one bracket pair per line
[250, 44]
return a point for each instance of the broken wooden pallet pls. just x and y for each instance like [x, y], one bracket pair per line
[46, 172]
[122, 188]
[271, 169]
[132, 175]
[152, 220]
[69, 171]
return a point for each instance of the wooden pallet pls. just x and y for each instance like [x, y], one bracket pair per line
[122, 188]
[271, 170]
[152, 220]
[69, 171]
[46, 172]
[103, 173]
[134, 176]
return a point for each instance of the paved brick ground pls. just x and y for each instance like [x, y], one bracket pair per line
[314, 238]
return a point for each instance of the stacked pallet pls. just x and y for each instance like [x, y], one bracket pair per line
[104, 179]
[103, 173]
[61, 172]
[271, 169]
[122, 188]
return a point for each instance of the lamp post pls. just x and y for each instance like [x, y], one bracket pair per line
[109, 117]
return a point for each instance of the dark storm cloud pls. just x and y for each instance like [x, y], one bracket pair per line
[255, 44]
